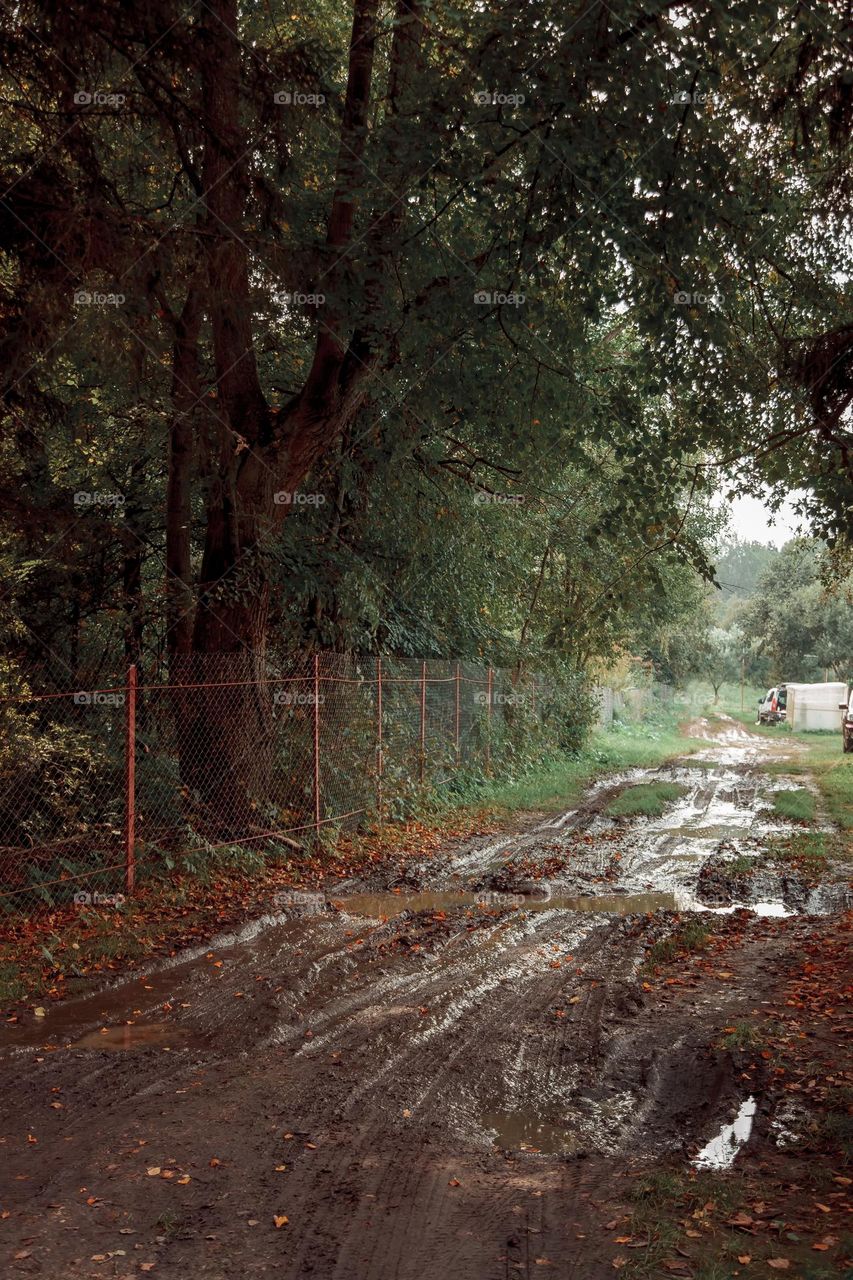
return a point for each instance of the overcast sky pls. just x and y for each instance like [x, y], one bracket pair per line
[751, 520]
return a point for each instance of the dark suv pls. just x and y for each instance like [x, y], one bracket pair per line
[846, 710]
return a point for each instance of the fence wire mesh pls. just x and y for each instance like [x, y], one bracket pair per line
[105, 787]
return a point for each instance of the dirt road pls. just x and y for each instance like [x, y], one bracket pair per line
[442, 1074]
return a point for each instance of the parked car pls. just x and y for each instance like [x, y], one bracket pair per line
[771, 708]
[846, 710]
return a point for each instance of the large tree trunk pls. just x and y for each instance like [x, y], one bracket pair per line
[227, 748]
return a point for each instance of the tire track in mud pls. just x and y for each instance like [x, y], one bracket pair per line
[423, 1057]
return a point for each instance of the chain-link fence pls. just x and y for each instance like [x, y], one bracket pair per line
[105, 787]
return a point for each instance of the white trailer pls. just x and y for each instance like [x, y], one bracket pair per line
[815, 706]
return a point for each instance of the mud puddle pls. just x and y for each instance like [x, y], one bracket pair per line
[142, 1035]
[720, 1152]
[384, 906]
[520, 1131]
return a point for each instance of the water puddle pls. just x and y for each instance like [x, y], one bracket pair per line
[136, 1035]
[518, 1131]
[385, 905]
[757, 908]
[720, 1152]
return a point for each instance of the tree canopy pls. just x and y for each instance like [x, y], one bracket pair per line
[419, 326]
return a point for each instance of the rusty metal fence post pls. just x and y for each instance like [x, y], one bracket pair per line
[317, 812]
[379, 760]
[130, 783]
[489, 680]
[456, 716]
[423, 723]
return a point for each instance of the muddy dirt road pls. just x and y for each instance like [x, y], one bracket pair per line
[436, 1075]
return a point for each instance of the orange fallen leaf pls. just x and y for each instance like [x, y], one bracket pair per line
[280, 1220]
[744, 1259]
[454, 1182]
[184, 1180]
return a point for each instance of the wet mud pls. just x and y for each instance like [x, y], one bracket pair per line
[424, 1076]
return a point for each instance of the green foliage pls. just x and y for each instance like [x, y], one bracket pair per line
[797, 805]
[801, 616]
[649, 799]
[692, 936]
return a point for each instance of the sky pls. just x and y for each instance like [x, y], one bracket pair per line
[751, 520]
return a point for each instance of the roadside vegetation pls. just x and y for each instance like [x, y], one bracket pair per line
[797, 805]
[647, 799]
[817, 756]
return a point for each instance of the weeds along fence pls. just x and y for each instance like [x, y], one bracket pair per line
[105, 787]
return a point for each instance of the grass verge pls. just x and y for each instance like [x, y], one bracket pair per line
[649, 799]
[797, 806]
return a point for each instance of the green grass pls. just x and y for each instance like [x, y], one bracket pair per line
[690, 937]
[818, 755]
[743, 1036]
[562, 780]
[649, 799]
[798, 806]
[12, 988]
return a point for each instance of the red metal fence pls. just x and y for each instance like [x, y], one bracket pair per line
[103, 787]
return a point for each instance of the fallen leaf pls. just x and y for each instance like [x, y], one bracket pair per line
[454, 1182]
[40, 1012]
[779, 1264]
[184, 1180]
[153, 1171]
[744, 1259]
[280, 1219]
